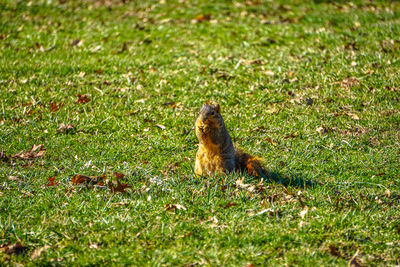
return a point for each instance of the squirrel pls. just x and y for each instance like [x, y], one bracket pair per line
[217, 154]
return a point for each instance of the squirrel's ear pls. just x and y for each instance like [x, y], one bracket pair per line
[217, 108]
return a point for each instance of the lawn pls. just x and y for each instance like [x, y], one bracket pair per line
[112, 88]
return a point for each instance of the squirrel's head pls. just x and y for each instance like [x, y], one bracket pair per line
[210, 117]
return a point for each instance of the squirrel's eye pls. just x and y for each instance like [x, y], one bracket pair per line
[212, 113]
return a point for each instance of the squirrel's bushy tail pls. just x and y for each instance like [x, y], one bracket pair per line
[253, 165]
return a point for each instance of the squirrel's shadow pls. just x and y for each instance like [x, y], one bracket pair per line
[294, 180]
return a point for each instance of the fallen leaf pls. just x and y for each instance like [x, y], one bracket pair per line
[81, 74]
[255, 62]
[119, 175]
[201, 18]
[349, 82]
[51, 181]
[54, 106]
[77, 42]
[26, 193]
[303, 212]
[264, 211]
[38, 252]
[324, 129]
[248, 187]
[80, 179]
[271, 141]
[174, 207]
[122, 203]
[334, 251]
[15, 178]
[39, 47]
[124, 47]
[65, 127]
[82, 99]
[16, 248]
[35, 152]
[162, 127]
[353, 116]
[95, 49]
[269, 73]
[95, 245]
[170, 104]
[296, 100]
[387, 193]
[272, 110]
[120, 186]
[290, 93]
[141, 101]
[292, 135]
[228, 205]
[375, 142]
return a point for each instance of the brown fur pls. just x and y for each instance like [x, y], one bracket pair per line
[216, 154]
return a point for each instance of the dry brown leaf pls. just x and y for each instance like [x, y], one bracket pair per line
[248, 187]
[124, 47]
[121, 203]
[255, 62]
[296, 100]
[77, 42]
[36, 151]
[80, 179]
[15, 178]
[334, 251]
[54, 106]
[65, 127]
[38, 252]
[353, 116]
[120, 186]
[272, 110]
[324, 129]
[292, 135]
[119, 175]
[349, 82]
[387, 193]
[170, 104]
[271, 141]
[228, 205]
[174, 207]
[82, 99]
[26, 193]
[201, 18]
[52, 181]
[16, 248]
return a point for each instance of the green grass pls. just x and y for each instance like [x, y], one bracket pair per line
[335, 156]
